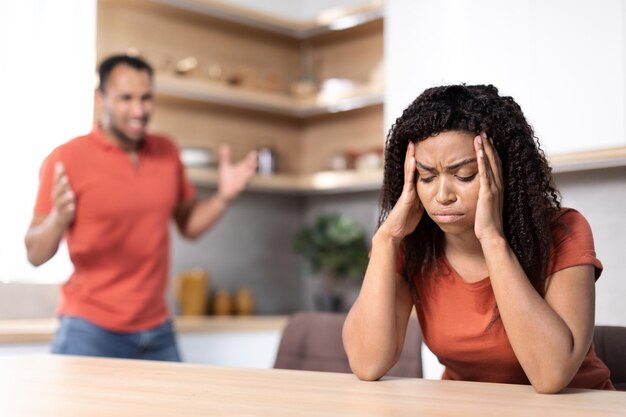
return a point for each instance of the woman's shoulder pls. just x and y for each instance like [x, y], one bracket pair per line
[572, 242]
[568, 221]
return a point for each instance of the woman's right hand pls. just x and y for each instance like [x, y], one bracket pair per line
[408, 211]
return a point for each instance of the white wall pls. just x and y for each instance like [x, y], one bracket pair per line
[601, 197]
[47, 57]
[562, 60]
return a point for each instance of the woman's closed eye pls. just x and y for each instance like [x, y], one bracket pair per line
[466, 178]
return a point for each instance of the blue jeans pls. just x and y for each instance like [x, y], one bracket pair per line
[76, 336]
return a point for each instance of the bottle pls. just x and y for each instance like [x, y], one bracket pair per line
[266, 161]
[222, 303]
[244, 302]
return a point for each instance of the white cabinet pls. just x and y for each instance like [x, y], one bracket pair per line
[238, 349]
[562, 60]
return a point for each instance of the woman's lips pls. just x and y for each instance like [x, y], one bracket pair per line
[446, 217]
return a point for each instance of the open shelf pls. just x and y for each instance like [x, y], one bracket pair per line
[324, 182]
[588, 160]
[335, 19]
[281, 104]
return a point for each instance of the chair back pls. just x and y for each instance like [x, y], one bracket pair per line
[610, 344]
[312, 341]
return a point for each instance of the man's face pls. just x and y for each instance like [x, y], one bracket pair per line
[126, 105]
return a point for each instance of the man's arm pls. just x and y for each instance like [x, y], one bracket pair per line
[46, 231]
[193, 218]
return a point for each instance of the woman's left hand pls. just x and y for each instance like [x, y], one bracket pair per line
[489, 209]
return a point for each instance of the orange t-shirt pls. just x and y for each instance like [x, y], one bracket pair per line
[455, 317]
[119, 240]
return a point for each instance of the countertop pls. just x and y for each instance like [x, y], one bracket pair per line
[42, 330]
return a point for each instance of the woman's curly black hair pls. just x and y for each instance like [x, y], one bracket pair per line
[530, 197]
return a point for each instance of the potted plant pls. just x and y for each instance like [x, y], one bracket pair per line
[335, 247]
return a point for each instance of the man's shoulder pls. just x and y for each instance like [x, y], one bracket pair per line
[76, 145]
[161, 143]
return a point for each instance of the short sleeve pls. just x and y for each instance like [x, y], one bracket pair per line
[572, 243]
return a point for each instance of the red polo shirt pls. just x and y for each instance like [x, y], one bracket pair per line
[119, 240]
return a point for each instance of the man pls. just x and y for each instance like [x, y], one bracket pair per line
[111, 194]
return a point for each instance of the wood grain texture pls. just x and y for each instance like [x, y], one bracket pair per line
[50, 386]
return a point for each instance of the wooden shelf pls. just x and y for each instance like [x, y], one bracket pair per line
[329, 182]
[325, 182]
[281, 104]
[335, 19]
[588, 160]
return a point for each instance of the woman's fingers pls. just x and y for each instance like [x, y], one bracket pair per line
[483, 169]
[409, 168]
[493, 162]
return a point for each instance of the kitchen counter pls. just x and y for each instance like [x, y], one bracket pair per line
[42, 330]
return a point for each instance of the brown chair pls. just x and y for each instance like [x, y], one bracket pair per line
[312, 341]
[610, 344]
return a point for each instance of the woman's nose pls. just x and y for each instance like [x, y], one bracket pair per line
[445, 192]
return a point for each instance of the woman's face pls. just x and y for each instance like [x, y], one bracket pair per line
[447, 182]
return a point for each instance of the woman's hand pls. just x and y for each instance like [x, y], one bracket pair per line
[407, 212]
[489, 209]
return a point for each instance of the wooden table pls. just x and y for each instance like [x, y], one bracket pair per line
[49, 385]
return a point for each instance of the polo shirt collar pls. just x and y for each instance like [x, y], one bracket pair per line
[98, 134]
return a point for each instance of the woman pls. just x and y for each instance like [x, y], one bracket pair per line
[472, 234]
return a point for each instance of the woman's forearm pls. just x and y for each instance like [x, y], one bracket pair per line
[374, 330]
[549, 350]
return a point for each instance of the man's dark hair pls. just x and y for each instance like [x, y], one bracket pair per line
[106, 66]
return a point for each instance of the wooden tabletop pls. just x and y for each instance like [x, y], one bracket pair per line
[50, 385]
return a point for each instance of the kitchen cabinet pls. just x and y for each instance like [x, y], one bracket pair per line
[246, 341]
[227, 74]
[562, 61]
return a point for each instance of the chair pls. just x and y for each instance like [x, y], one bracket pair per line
[312, 341]
[610, 344]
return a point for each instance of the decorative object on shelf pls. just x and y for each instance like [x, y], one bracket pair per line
[193, 156]
[306, 85]
[186, 66]
[335, 247]
[369, 161]
[222, 303]
[266, 161]
[338, 162]
[191, 290]
[244, 301]
[335, 88]
[214, 72]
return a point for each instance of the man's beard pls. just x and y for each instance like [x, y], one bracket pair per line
[126, 141]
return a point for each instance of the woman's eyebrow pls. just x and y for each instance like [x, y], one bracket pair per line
[452, 167]
[458, 165]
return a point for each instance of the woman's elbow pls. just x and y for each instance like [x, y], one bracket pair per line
[550, 382]
[367, 373]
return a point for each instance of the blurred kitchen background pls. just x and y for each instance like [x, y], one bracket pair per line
[315, 85]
